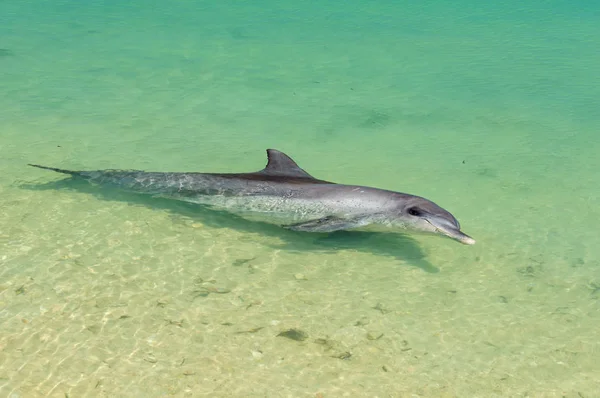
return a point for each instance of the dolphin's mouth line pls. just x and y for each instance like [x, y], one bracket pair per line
[436, 228]
[460, 236]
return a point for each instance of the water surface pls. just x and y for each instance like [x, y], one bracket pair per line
[491, 111]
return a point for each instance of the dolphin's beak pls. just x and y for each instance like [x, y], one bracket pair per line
[447, 228]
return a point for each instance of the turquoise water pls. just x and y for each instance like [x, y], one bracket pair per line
[491, 111]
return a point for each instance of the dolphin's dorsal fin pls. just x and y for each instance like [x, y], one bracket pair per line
[282, 165]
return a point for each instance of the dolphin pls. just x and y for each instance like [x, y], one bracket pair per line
[284, 194]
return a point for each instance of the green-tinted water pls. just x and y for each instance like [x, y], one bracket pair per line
[489, 110]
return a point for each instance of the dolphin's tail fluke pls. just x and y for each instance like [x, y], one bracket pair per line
[70, 172]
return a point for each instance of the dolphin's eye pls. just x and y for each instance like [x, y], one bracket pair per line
[413, 211]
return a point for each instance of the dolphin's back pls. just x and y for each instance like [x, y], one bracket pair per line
[247, 184]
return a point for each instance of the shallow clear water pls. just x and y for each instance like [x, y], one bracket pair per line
[491, 111]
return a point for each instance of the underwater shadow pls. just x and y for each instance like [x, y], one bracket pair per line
[397, 246]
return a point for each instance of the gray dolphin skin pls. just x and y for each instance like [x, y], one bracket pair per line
[284, 194]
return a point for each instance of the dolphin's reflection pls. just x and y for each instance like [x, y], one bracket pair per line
[400, 247]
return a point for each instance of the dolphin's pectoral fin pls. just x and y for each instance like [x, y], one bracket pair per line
[326, 224]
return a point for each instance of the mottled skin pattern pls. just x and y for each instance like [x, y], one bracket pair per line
[284, 194]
